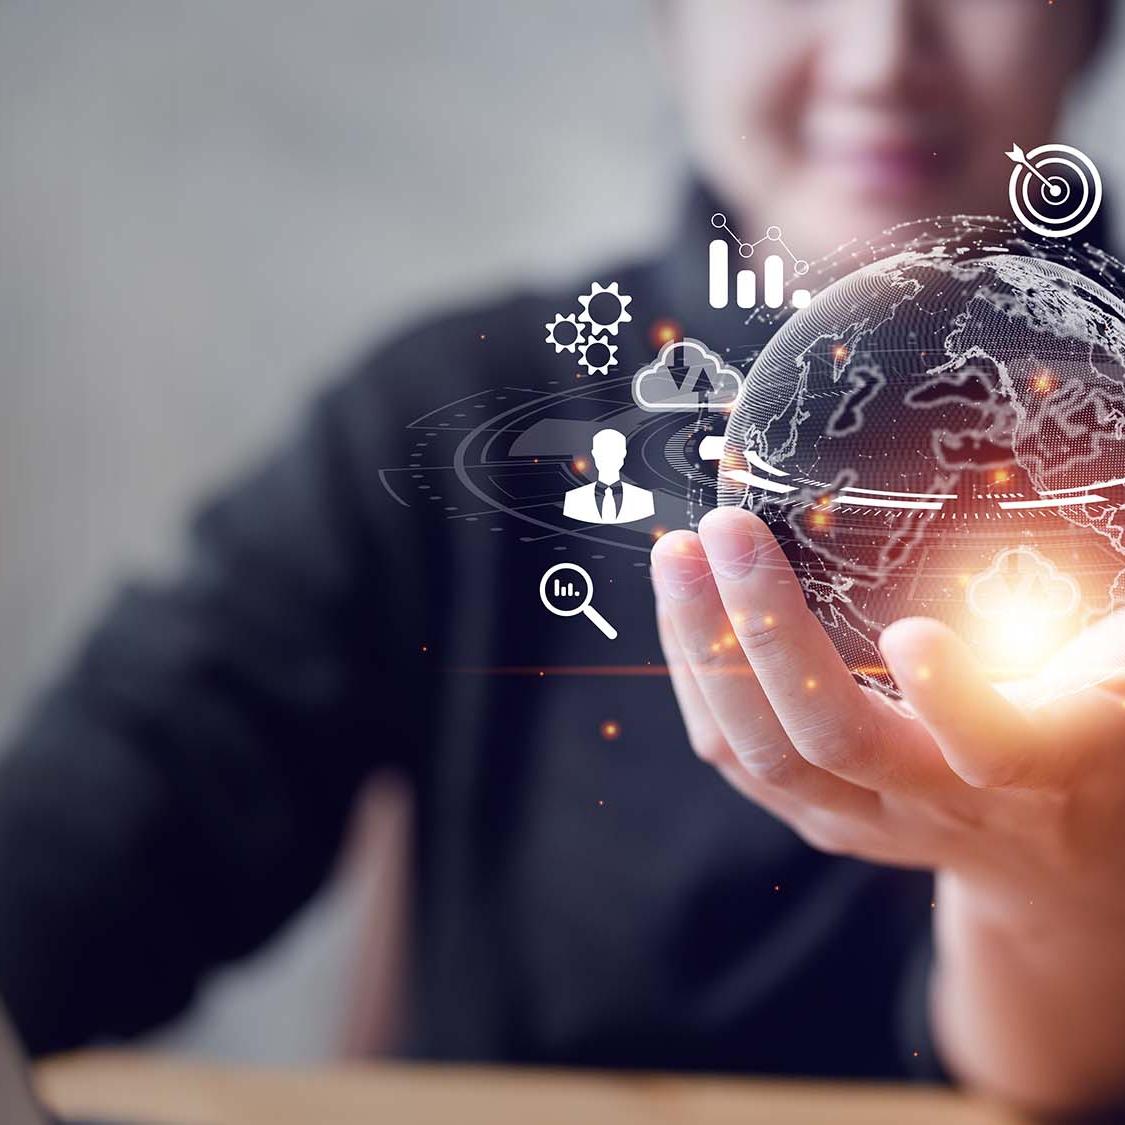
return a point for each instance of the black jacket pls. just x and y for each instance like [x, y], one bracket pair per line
[184, 786]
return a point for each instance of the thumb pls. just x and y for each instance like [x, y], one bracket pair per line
[986, 739]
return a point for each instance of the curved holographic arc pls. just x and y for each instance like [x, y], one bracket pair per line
[765, 466]
[746, 478]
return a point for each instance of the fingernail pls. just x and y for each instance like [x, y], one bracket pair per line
[680, 576]
[731, 546]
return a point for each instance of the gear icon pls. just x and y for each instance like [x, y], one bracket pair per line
[598, 355]
[603, 308]
[565, 333]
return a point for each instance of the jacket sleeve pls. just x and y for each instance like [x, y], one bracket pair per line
[183, 787]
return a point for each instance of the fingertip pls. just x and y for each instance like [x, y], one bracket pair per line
[918, 649]
[674, 543]
[914, 631]
[734, 540]
[717, 519]
[679, 565]
[982, 736]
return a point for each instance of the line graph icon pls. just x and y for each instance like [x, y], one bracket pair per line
[1055, 190]
[746, 281]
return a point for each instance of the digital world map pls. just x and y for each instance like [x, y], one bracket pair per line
[941, 432]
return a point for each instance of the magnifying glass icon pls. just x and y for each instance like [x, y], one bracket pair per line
[566, 589]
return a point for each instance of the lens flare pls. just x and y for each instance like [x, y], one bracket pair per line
[1024, 606]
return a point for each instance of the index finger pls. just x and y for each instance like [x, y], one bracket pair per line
[825, 713]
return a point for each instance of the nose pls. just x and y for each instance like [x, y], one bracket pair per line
[879, 50]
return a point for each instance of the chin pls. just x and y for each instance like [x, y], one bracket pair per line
[836, 212]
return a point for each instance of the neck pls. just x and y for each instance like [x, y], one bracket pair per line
[610, 477]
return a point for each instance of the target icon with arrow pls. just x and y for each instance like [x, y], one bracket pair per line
[1055, 190]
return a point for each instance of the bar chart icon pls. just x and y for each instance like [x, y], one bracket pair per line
[746, 288]
[569, 590]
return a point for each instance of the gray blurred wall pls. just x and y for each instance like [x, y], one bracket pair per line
[206, 207]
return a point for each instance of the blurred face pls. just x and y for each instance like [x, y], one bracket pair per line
[838, 118]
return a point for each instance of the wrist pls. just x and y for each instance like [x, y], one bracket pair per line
[1029, 993]
[1034, 909]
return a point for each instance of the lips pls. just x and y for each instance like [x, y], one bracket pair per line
[880, 159]
[883, 171]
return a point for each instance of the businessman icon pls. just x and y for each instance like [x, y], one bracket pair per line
[609, 499]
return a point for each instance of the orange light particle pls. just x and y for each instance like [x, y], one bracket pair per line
[610, 730]
[580, 464]
[840, 353]
[664, 332]
[811, 684]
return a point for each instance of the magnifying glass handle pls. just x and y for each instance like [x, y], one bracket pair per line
[600, 622]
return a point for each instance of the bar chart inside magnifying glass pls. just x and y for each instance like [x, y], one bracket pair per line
[566, 590]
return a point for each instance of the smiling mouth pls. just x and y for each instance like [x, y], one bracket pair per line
[884, 152]
[885, 169]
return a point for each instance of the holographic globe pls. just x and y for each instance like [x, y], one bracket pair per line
[941, 432]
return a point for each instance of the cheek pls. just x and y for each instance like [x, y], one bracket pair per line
[754, 126]
[736, 91]
[1012, 67]
[737, 67]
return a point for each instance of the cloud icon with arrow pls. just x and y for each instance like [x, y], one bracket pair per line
[1020, 580]
[686, 376]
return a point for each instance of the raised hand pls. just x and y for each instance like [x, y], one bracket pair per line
[1014, 795]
